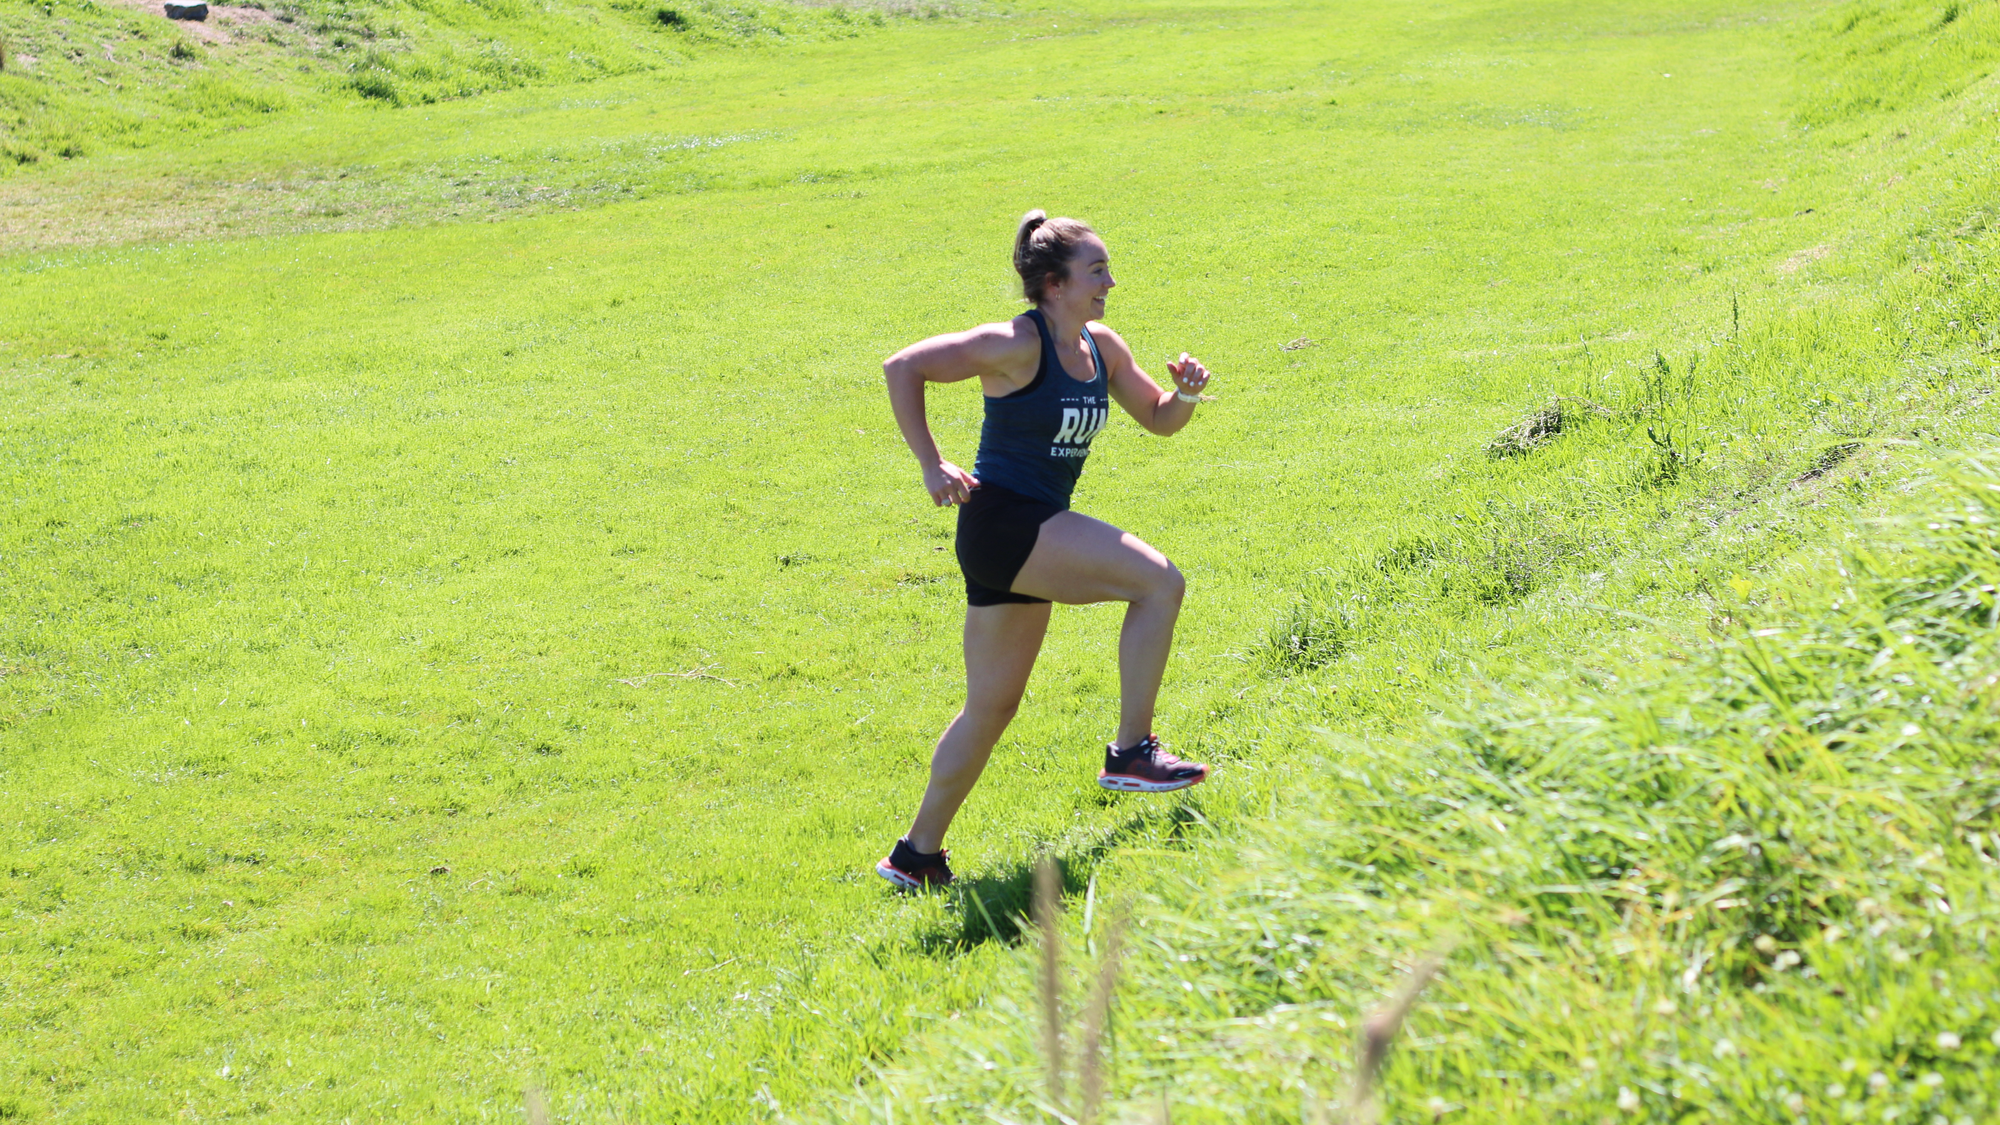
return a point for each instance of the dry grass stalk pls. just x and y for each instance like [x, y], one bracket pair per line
[701, 673]
[1378, 1031]
[1097, 1017]
[1313, 1109]
[1047, 901]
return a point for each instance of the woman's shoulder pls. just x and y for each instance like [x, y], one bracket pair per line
[1009, 337]
[1107, 339]
[1003, 347]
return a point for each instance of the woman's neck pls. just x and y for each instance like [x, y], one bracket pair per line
[1064, 330]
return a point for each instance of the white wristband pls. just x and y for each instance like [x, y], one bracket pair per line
[1186, 397]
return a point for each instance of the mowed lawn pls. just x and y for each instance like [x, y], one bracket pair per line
[444, 658]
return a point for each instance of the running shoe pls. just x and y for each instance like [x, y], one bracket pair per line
[912, 870]
[1146, 767]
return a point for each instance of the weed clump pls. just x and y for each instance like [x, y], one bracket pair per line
[1827, 460]
[376, 86]
[1312, 633]
[1551, 419]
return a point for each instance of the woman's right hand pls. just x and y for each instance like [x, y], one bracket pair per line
[948, 484]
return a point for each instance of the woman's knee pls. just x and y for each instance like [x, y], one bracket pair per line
[1166, 584]
[993, 712]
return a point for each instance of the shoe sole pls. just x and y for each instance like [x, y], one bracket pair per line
[903, 882]
[1126, 783]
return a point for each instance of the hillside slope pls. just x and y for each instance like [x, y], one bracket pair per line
[442, 657]
[85, 75]
[1739, 864]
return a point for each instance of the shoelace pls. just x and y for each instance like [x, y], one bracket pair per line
[1146, 747]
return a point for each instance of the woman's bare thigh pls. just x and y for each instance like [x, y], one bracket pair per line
[1001, 643]
[1078, 560]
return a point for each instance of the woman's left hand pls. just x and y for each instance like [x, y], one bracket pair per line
[1189, 375]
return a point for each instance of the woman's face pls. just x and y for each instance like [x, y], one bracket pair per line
[1082, 293]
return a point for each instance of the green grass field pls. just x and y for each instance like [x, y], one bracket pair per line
[469, 623]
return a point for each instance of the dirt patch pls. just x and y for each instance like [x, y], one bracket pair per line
[1804, 258]
[1828, 460]
[73, 207]
[215, 29]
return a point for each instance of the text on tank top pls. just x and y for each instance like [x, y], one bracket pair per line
[1034, 441]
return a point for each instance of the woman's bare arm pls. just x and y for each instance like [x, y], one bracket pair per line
[988, 352]
[1160, 411]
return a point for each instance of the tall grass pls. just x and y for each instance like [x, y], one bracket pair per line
[1740, 863]
[1755, 881]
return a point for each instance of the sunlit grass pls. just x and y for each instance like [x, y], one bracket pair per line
[447, 658]
[1749, 881]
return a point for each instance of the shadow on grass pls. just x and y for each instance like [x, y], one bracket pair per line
[994, 906]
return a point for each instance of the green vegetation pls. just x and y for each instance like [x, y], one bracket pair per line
[88, 74]
[1751, 882]
[446, 657]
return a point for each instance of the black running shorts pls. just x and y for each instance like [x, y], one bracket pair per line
[997, 529]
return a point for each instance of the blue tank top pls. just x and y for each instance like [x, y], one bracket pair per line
[1034, 440]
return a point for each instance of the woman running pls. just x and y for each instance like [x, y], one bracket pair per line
[1048, 375]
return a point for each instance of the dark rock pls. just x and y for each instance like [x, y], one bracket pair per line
[182, 10]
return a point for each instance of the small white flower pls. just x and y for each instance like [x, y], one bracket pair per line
[1932, 1079]
[1947, 1041]
[1796, 1103]
[1785, 960]
[1724, 1049]
[1627, 1100]
[1877, 1080]
[1836, 1091]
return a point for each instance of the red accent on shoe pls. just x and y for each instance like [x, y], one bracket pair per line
[1146, 767]
[911, 870]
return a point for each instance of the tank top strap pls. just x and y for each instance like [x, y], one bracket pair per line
[1048, 343]
[1041, 368]
[1096, 357]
